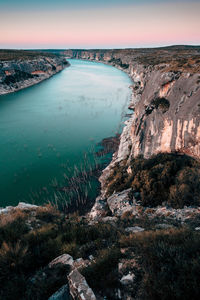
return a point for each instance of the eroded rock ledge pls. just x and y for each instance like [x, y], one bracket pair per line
[165, 98]
[166, 105]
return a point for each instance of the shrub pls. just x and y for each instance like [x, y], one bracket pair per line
[170, 178]
[161, 103]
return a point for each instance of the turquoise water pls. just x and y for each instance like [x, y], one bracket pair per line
[49, 130]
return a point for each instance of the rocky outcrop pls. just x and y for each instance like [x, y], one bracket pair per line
[79, 288]
[166, 105]
[21, 73]
[20, 206]
[121, 203]
[166, 93]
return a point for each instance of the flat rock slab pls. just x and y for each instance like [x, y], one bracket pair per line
[134, 229]
[64, 259]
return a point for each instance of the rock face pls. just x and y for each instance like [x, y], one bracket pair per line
[18, 74]
[79, 288]
[165, 100]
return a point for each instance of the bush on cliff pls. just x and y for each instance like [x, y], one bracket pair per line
[170, 178]
[161, 103]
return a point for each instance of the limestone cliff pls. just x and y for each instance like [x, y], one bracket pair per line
[165, 99]
[18, 72]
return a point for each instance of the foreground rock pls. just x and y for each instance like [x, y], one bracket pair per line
[120, 203]
[76, 286]
[79, 288]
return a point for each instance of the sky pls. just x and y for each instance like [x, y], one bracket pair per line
[61, 24]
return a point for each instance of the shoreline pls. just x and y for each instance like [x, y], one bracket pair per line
[101, 168]
[34, 83]
[31, 77]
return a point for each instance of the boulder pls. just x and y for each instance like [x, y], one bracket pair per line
[119, 203]
[127, 279]
[64, 259]
[78, 286]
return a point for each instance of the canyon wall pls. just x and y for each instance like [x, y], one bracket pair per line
[165, 100]
[19, 73]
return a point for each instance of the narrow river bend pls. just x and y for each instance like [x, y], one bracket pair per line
[50, 129]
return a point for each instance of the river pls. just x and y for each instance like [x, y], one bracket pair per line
[51, 130]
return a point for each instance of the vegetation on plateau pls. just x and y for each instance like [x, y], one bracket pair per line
[6, 55]
[170, 178]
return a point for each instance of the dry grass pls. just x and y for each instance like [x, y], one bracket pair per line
[12, 216]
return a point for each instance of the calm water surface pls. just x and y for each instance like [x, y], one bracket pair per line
[51, 128]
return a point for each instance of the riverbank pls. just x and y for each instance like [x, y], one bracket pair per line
[22, 69]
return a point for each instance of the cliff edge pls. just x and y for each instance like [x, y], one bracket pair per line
[165, 100]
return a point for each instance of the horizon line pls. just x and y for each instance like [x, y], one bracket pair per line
[105, 48]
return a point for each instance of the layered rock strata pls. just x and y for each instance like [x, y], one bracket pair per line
[21, 73]
[165, 98]
[166, 105]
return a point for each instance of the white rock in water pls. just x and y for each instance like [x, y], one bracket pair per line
[197, 228]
